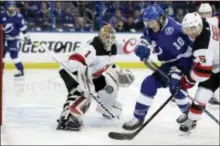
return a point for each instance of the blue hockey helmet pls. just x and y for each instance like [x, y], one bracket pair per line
[9, 4]
[152, 12]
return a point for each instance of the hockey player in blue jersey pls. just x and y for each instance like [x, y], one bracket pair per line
[13, 24]
[173, 50]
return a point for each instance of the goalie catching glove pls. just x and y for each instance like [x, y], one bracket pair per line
[124, 77]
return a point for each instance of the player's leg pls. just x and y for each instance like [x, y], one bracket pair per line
[107, 89]
[183, 102]
[75, 107]
[13, 47]
[203, 95]
[147, 92]
[214, 101]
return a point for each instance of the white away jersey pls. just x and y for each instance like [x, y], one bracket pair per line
[206, 52]
[213, 21]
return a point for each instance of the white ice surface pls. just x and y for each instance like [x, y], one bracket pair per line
[32, 106]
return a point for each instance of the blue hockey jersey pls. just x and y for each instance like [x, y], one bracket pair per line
[169, 43]
[12, 25]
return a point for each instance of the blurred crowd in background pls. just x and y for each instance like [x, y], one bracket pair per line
[87, 16]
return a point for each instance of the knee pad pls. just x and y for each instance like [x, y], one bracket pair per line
[149, 86]
[78, 105]
[68, 80]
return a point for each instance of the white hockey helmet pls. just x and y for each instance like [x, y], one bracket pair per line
[205, 7]
[192, 20]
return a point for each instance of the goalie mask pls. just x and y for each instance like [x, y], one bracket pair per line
[107, 36]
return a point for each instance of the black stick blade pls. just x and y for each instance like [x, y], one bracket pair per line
[120, 136]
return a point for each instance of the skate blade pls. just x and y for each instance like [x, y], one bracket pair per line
[68, 129]
[181, 133]
[59, 127]
[19, 78]
[214, 107]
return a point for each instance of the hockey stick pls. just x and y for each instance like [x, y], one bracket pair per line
[97, 99]
[130, 136]
[153, 66]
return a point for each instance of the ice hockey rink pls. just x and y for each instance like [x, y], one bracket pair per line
[32, 106]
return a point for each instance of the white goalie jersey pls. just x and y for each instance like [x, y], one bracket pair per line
[206, 52]
[85, 56]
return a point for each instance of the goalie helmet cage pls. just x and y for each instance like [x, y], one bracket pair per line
[1, 72]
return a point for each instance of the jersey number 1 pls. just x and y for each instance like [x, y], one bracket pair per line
[179, 43]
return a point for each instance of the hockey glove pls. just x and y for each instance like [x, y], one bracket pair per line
[27, 39]
[187, 82]
[175, 75]
[142, 52]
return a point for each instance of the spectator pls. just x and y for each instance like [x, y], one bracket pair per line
[68, 20]
[116, 18]
[35, 5]
[44, 17]
[170, 9]
[179, 15]
[129, 26]
[138, 19]
[120, 26]
[29, 15]
[58, 12]
[81, 26]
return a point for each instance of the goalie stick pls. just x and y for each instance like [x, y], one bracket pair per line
[95, 97]
[153, 66]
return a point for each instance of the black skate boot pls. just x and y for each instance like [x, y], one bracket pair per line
[214, 101]
[69, 120]
[19, 75]
[69, 123]
[182, 118]
[133, 124]
[187, 126]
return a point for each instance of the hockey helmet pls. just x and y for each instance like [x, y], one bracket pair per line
[205, 7]
[205, 10]
[107, 36]
[8, 4]
[152, 12]
[192, 21]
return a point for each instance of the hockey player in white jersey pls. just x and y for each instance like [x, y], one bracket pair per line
[205, 11]
[95, 71]
[206, 66]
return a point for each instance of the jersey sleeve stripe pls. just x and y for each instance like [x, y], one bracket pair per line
[203, 71]
[79, 58]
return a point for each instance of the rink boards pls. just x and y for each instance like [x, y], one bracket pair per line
[63, 44]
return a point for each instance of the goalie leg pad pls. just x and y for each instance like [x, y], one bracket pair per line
[108, 96]
[70, 83]
[116, 110]
[71, 117]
